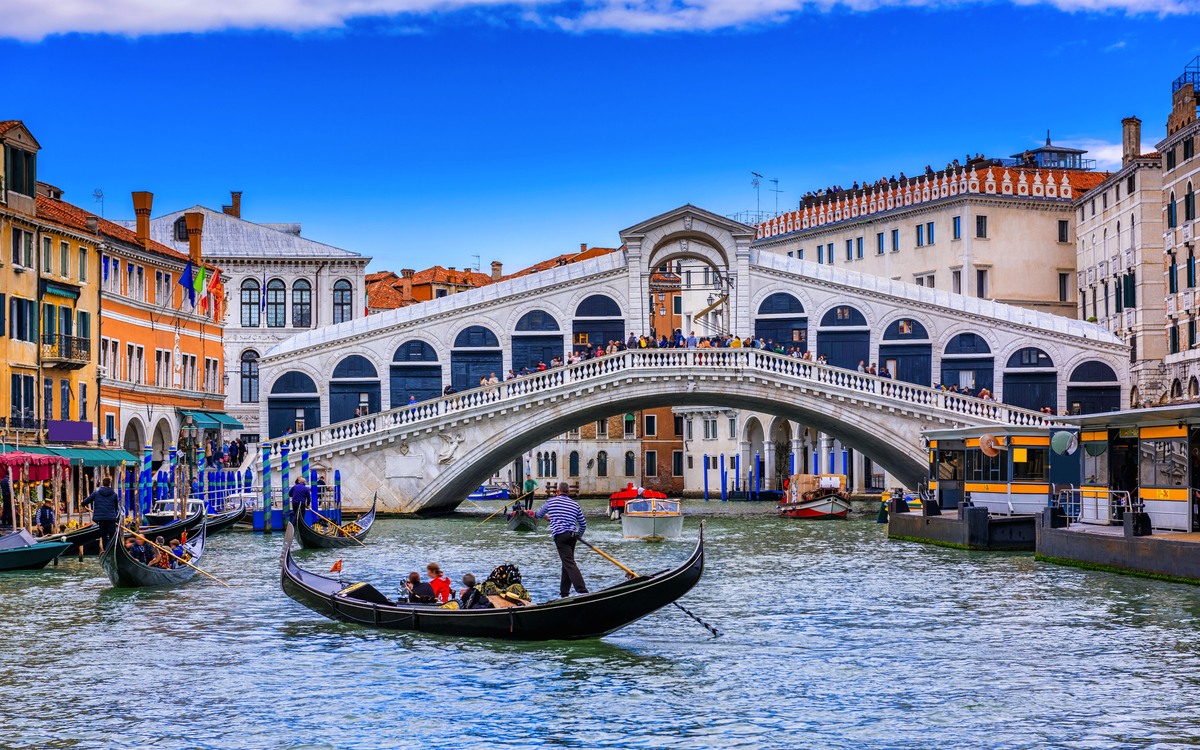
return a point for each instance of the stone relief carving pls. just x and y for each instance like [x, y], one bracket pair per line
[687, 223]
[404, 448]
[450, 445]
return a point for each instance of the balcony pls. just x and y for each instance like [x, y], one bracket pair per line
[20, 423]
[1130, 318]
[66, 352]
[1171, 306]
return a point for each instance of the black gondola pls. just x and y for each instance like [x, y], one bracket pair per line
[175, 528]
[310, 538]
[87, 537]
[125, 572]
[585, 616]
[219, 522]
[521, 520]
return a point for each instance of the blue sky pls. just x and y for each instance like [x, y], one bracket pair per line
[517, 132]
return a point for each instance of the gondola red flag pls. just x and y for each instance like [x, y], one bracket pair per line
[337, 567]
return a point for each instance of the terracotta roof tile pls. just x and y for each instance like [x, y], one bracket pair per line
[1085, 181]
[7, 125]
[562, 260]
[384, 297]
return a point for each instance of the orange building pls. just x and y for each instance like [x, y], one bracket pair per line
[161, 358]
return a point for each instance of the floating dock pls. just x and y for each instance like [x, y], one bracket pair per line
[1163, 555]
[965, 527]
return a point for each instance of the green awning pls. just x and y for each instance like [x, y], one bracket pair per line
[61, 291]
[203, 420]
[36, 450]
[97, 457]
[226, 421]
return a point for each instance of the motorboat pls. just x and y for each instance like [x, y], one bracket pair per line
[652, 517]
[815, 498]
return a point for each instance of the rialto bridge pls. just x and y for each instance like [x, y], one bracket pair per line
[429, 456]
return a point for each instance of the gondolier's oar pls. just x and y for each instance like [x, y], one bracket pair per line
[177, 557]
[502, 508]
[339, 528]
[683, 609]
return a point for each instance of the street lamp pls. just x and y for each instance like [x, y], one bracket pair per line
[189, 432]
[225, 383]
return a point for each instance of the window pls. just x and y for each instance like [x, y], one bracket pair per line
[276, 304]
[1188, 149]
[64, 259]
[677, 304]
[343, 302]
[64, 401]
[602, 428]
[602, 464]
[1064, 228]
[1030, 464]
[158, 287]
[629, 426]
[849, 249]
[141, 364]
[957, 228]
[22, 242]
[905, 327]
[690, 463]
[302, 304]
[1171, 211]
[984, 468]
[159, 378]
[820, 253]
[573, 464]
[1063, 280]
[879, 243]
[829, 255]
[689, 429]
[800, 254]
[920, 235]
[1129, 185]
[250, 303]
[710, 429]
[651, 464]
[929, 233]
[981, 226]
[678, 426]
[732, 428]
[47, 255]
[1093, 204]
[110, 427]
[1173, 336]
[859, 247]
[439, 293]
[1189, 204]
[181, 234]
[83, 402]
[677, 463]
[23, 319]
[22, 177]
[1172, 277]
[1171, 158]
[1104, 199]
[895, 240]
[981, 283]
[630, 463]
[1163, 463]
[48, 399]
[651, 425]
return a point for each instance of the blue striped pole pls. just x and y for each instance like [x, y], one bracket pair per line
[286, 477]
[706, 477]
[312, 488]
[724, 496]
[304, 472]
[337, 494]
[147, 477]
[249, 482]
[266, 488]
[792, 464]
[174, 455]
[737, 472]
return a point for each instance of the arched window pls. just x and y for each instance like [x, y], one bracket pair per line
[781, 303]
[1030, 357]
[354, 367]
[843, 315]
[602, 464]
[276, 304]
[1176, 389]
[181, 230]
[343, 301]
[251, 303]
[1189, 203]
[573, 461]
[302, 304]
[474, 337]
[553, 464]
[629, 463]
[1171, 211]
[249, 377]
[540, 469]
[598, 306]
[1193, 388]
[537, 320]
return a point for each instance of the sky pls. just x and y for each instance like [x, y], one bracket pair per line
[424, 132]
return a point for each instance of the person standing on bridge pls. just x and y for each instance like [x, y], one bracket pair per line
[299, 494]
[567, 525]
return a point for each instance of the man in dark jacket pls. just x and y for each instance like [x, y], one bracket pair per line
[299, 494]
[45, 517]
[105, 510]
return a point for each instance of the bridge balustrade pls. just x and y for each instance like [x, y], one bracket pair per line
[686, 361]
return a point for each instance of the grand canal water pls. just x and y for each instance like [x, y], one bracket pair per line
[835, 638]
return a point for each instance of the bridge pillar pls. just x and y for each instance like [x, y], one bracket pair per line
[826, 453]
[769, 465]
[739, 308]
[747, 464]
[860, 470]
[639, 286]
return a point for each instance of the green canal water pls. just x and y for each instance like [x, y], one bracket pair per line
[834, 638]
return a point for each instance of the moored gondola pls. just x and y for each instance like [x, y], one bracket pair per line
[176, 528]
[219, 522]
[585, 616]
[125, 572]
[21, 551]
[310, 538]
[87, 537]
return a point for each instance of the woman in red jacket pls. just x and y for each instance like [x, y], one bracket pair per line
[441, 584]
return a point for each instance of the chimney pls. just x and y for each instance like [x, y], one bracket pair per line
[93, 224]
[583, 247]
[195, 225]
[451, 268]
[235, 210]
[1131, 139]
[406, 279]
[497, 270]
[141, 206]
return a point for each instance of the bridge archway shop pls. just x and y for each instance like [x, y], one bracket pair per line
[598, 320]
[537, 338]
[294, 404]
[476, 355]
[781, 318]
[415, 372]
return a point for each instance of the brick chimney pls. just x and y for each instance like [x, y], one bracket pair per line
[195, 225]
[582, 247]
[497, 270]
[234, 210]
[406, 279]
[141, 206]
[1131, 139]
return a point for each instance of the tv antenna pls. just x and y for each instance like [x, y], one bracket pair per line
[776, 191]
[754, 183]
[98, 196]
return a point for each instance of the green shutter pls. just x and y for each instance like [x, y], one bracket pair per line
[32, 307]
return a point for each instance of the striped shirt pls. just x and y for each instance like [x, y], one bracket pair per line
[565, 515]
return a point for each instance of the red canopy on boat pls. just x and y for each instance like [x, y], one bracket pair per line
[40, 465]
[632, 493]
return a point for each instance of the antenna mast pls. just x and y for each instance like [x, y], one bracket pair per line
[98, 196]
[776, 191]
[757, 203]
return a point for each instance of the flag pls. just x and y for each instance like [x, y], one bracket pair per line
[198, 282]
[366, 301]
[185, 281]
[216, 290]
[337, 567]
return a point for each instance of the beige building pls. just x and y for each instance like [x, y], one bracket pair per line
[1119, 251]
[1180, 176]
[999, 229]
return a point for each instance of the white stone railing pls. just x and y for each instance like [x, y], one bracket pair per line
[661, 362]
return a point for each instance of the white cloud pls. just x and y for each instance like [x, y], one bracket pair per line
[1107, 155]
[35, 19]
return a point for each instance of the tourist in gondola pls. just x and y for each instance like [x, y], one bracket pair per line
[105, 511]
[161, 558]
[567, 525]
[299, 494]
[441, 585]
[45, 517]
[139, 550]
[420, 592]
[179, 551]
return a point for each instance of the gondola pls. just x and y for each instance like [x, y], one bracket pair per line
[521, 520]
[125, 572]
[310, 538]
[176, 528]
[21, 551]
[219, 522]
[87, 537]
[585, 616]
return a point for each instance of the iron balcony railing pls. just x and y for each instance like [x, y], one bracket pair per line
[66, 348]
[20, 423]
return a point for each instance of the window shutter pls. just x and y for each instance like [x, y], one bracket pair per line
[33, 320]
[3, 330]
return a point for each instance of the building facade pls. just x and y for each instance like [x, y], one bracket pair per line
[1119, 252]
[278, 284]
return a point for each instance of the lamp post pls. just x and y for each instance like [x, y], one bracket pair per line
[189, 432]
[225, 384]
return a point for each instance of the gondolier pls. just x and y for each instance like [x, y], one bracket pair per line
[299, 494]
[567, 524]
[104, 509]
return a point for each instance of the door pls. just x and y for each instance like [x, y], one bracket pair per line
[1092, 400]
[284, 413]
[845, 348]
[527, 351]
[971, 373]
[344, 398]
[910, 363]
[790, 332]
[596, 333]
[1031, 390]
[422, 381]
[466, 368]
